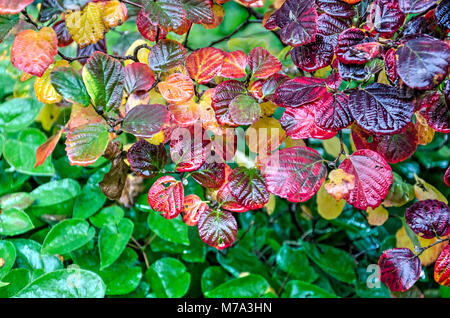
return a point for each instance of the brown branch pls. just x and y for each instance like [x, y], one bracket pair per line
[29, 19]
[423, 249]
[132, 3]
[293, 211]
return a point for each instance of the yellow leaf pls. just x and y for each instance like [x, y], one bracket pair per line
[142, 53]
[265, 136]
[425, 191]
[89, 25]
[332, 146]
[327, 206]
[294, 142]
[47, 116]
[271, 205]
[377, 216]
[268, 108]
[382, 78]
[156, 139]
[429, 256]
[340, 184]
[425, 133]
[43, 88]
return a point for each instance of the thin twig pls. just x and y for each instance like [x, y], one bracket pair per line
[423, 249]
[293, 211]
[132, 3]
[29, 19]
[246, 231]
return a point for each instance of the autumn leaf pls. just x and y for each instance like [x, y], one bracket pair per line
[340, 184]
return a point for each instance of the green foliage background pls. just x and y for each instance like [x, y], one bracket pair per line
[271, 258]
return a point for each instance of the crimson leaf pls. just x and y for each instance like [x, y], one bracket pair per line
[429, 218]
[248, 188]
[217, 228]
[166, 195]
[145, 120]
[211, 174]
[147, 160]
[299, 91]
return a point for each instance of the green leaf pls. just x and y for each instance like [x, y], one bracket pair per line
[168, 278]
[299, 289]
[250, 286]
[69, 84]
[165, 13]
[16, 279]
[28, 256]
[86, 143]
[7, 22]
[18, 113]
[112, 242]
[212, 277]
[14, 222]
[109, 216]
[295, 263]
[19, 200]
[328, 257]
[65, 283]
[104, 79]
[175, 230]
[7, 257]
[88, 202]
[123, 276]
[67, 236]
[166, 54]
[2, 143]
[55, 198]
[20, 153]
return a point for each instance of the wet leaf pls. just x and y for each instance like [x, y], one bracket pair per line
[217, 228]
[192, 209]
[166, 195]
[299, 91]
[147, 160]
[204, 64]
[400, 269]
[166, 54]
[429, 218]
[177, 88]
[262, 64]
[248, 188]
[442, 268]
[46, 149]
[13, 6]
[69, 84]
[145, 120]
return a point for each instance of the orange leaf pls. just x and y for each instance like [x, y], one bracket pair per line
[34, 51]
[234, 65]
[341, 183]
[219, 14]
[46, 149]
[177, 88]
[185, 113]
[204, 64]
[192, 208]
[351, 1]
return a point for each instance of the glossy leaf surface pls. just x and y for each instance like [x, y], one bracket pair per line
[217, 228]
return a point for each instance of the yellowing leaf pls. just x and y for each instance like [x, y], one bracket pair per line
[294, 142]
[425, 191]
[142, 53]
[47, 116]
[340, 184]
[425, 133]
[429, 256]
[332, 146]
[89, 25]
[377, 216]
[156, 139]
[268, 108]
[265, 135]
[327, 206]
[271, 205]
[43, 88]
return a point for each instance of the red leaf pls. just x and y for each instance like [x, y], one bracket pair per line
[222, 96]
[331, 27]
[138, 78]
[423, 61]
[447, 177]
[355, 48]
[442, 268]
[199, 11]
[393, 148]
[336, 8]
[313, 56]
[228, 202]
[145, 120]
[177, 88]
[233, 65]
[373, 178]
[166, 195]
[263, 64]
[189, 148]
[34, 51]
[332, 112]
[400, 269]
[416, 6]
[294, 173]
[300, 123]
[13, 6]
[63, 34]
[390, 63]
[204, 64]
[46, 149]
[379, 109]
[298, 22]
[192, 209]
[437, 113]
[217, 228]
[211, 174]
[386, 17]
[299, 91]
[429, 218]
[147, 160]
[271, 84]
[147, 29]
[248, 188]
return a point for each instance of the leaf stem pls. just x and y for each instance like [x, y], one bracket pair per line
[423, 249]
